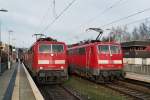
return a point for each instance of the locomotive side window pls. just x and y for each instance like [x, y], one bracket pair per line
[57, 48]
[70, 52]
[115, 49]
[81, 51]
[103, 48]
[76, 51]
[44, 48]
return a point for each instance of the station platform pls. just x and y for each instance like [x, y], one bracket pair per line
[4, 80]
[17, 84]
[139, 77]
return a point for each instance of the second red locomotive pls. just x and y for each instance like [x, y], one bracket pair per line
[99, 61]
[46, 60]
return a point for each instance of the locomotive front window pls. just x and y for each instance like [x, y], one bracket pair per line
[115, 49]
[44, 48]
[103, 48]
[57, 48]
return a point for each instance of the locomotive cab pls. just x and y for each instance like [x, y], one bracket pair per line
[46, 60]
[110, 61]
[109, 56]
[51, 61]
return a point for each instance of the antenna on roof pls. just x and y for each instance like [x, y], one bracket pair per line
[47, 39]
[38, 36]
[97, 30]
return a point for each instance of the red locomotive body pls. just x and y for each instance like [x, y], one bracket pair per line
[47, 61]
[101, 61]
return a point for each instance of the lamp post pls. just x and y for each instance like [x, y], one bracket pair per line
[10, 31]
[13, 49]
[1, 10]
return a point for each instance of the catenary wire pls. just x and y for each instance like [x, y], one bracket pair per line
[43, 18]
[63, 11]
[104, 11]
[138, 21]
[123, 18]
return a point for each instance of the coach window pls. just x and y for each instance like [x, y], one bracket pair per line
[57, 48]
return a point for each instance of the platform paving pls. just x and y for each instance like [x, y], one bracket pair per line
[22, 89]
[4, 80]
[139, 77]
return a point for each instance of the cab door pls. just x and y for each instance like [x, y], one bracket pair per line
[89, 57]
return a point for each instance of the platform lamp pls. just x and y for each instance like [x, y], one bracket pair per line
[1, 10]
[9, 32]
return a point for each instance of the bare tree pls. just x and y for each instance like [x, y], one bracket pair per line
[135, 34]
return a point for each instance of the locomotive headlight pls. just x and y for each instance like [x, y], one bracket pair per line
[41, 68]
[62, 67]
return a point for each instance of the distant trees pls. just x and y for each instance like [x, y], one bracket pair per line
[135, 34]
[122, 34]
[142, 32]
[119, 34]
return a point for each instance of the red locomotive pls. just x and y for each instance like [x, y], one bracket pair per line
[46, 60]
[99, 61]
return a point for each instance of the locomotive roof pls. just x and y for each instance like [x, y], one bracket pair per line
[87, 44]
[135, 44]
[46, 40]
[49, 42]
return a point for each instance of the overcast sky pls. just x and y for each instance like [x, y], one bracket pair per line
[27, 17]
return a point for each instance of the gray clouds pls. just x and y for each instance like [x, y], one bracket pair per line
[24, 17]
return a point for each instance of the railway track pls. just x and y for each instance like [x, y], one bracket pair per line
[127, 88]
[133, 89]
[141, 83]
[57, 92]
[138, 92]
